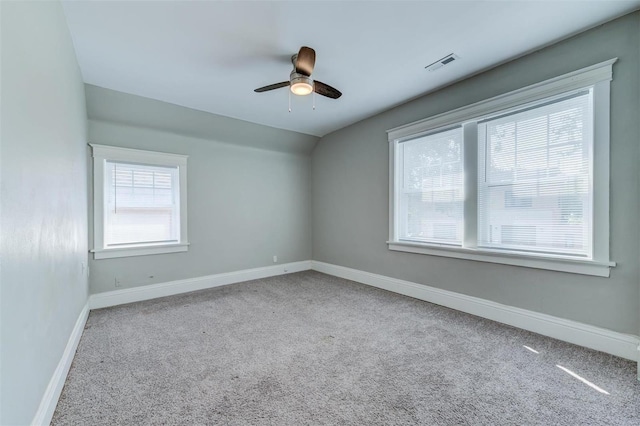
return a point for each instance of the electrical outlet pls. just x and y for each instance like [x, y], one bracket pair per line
[117, 282]
[275, 259]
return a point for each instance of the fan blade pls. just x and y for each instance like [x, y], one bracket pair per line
[305, 61]
[325, 90]
[272, 87]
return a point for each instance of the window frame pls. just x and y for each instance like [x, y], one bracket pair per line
[103, 153]
[598, 77]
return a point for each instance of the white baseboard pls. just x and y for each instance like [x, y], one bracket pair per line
[137, 294]
[51, 395]
[611, 342]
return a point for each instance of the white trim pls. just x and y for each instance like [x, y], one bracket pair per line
[136, 294]
[562, 264]
[138, 155]
[110, 253]
[611, 342]
[102, 153]
[51, 395]
[600, 178]
[571, 81]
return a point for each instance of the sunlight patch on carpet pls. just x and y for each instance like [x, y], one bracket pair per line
[582, 379]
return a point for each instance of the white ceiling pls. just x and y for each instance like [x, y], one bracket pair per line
[211, 55]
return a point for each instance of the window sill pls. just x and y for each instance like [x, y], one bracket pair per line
[146, 250]
[573, 266]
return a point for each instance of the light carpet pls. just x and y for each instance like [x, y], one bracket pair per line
[312, 349]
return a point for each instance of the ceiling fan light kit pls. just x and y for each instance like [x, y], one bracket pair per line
[300, 81]
[300, 84]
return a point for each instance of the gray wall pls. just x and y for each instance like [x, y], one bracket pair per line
[245, 204]
[110, 105]
[44, 202]
[350, 184]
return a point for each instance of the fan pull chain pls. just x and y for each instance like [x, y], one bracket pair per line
[314, 100]
[289, 100]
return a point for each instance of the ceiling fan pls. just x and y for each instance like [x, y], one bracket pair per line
[300, 81]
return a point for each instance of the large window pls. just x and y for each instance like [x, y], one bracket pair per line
[520, 179]
[139, 202]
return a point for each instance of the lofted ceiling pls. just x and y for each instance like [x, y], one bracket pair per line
[210, 55]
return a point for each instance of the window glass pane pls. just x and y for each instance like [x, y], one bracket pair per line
[431, 194]
[142, 204]
[534, 178]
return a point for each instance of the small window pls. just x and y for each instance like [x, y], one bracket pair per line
[139, 202]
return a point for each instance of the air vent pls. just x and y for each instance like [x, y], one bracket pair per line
[442, 62]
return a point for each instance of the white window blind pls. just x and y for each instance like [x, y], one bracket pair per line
[431, 188]
[142, 204]
[535, 178]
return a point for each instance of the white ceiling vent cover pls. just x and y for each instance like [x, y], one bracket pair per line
[442, 62]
